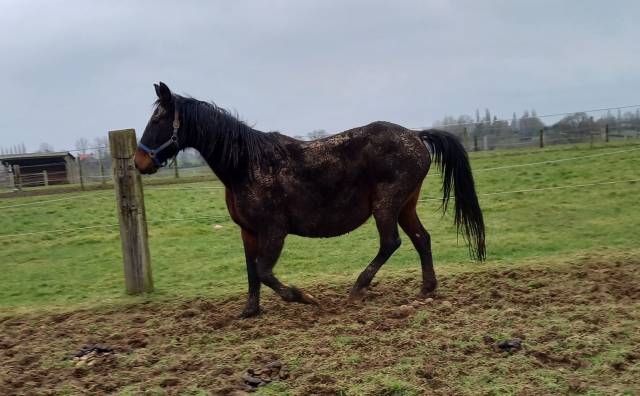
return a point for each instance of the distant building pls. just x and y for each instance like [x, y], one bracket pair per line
[38, 169]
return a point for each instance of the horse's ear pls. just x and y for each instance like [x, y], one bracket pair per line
[163, 92]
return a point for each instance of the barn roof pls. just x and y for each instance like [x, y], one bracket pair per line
[36, 158]
[26, 156]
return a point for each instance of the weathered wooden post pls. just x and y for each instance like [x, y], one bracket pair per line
[485, 143]
[17, 177]
[475, 142]
[465, 138]
[133, 222]
[80, 172]
[606, 133]
[175, 168]
[45, 177]
[541, 138]
[101, 165]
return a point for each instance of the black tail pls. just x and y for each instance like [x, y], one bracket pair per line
[447, 151]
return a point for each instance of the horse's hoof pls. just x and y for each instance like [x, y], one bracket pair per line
[249, 313]
[428, 290]
[356, 297]
[310, 299]
[426, 294]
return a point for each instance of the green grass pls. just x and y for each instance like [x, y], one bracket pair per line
[190, 258]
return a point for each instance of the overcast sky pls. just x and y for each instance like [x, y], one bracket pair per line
[71, 69]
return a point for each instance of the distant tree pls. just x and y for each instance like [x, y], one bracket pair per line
[514, 122]
[45, 148]
[464, 119]
[102, 146]
[609, 119]
[530, 125]
[576, 126]
[477, 115]
[487, 115]
[317, 134]
[82, 145]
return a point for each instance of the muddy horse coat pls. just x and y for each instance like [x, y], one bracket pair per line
[276, 185]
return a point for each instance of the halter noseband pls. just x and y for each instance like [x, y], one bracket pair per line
[173, 140]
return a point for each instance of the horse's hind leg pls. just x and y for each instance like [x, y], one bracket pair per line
[421, 239]
[387, 224]
[269, 248]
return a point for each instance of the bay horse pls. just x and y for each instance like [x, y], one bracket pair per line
[276, 185]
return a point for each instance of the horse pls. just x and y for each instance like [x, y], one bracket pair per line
[276, 185]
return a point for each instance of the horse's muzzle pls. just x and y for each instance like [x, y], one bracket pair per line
[144, 163]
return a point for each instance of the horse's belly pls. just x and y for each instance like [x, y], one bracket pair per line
[331, 220]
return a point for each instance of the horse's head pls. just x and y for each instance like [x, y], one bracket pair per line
[159, 141]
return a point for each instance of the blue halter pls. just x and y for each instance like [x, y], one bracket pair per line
[173, 140]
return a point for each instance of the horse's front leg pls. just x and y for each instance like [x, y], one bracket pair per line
[250, 252]
[270, 245]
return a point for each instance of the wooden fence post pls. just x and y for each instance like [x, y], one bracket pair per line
[485, 143]
[17, 177]
[45, 177]
[465, 138]
[541, 138]
[175, 167]
[131, 212]
[101, 164]
[606, 133]
[80, 172]
[475, 142]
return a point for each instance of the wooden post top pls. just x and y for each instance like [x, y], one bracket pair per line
[123, 143]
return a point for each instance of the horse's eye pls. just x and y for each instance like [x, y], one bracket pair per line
[157, 115]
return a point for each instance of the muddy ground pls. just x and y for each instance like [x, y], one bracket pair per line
[577, 325]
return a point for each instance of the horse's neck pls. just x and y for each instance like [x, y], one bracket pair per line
[227, 174]
[211, 148]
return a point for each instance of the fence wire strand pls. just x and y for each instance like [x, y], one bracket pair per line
[51, 200]
[543, 189]
[66, 230]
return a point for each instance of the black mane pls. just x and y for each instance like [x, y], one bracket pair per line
[223, 139]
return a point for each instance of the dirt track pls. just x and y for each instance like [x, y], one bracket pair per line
[578, 324]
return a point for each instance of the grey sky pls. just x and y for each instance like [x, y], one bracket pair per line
[72, 69]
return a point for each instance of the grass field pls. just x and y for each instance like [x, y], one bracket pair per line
[533, 233]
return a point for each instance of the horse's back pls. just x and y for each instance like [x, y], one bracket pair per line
[331, 184]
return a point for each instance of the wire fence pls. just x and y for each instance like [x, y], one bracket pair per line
[80, 227]
[86, 170]
[584, 126]
[91, 166]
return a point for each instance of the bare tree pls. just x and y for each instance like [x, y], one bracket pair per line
[487, 116]
[317, 134]
[82, 145]
[102, 146]
[45, 148]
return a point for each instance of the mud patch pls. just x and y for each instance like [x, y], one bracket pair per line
[577, 323]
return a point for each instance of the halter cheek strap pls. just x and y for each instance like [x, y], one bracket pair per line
[173, 140]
